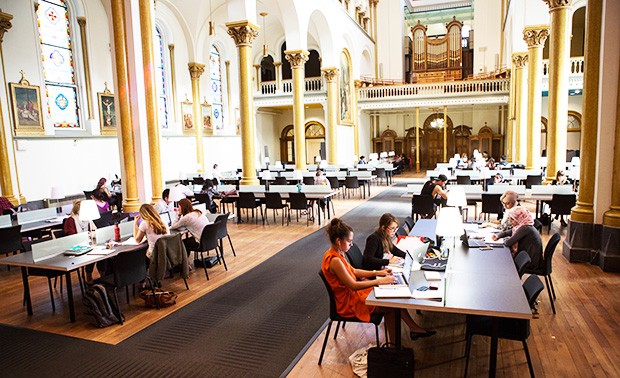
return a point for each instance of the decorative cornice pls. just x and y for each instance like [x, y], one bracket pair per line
[536, 36]
[277, 64]
[242, 32]
[330, 73]
[519, 59]
[357, 84]
[558, 4]
[374, 2]
[5, 23]
[195, 70]
[297, 58]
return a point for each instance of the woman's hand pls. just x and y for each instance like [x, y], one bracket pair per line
[494, 237]
[383, 272]
[394, 259]
[386, 280]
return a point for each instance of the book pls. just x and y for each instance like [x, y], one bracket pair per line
[77, 250]
[432, 276]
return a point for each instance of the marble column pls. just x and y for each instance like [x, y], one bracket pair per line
[6, 180]
[417, 139]
[511, 117]
[89, 102]
[131, 202]
[298, 58]
[535, 37]
[244, 33]
[520, 61]
[559, 57]
[373, 7]
[356, 116]
[278, 66]
[257, 77]
[173, 80]
[152, 122]
[331, 77]
[445, 134]
[195, 71]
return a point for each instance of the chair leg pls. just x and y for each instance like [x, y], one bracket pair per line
[49, 284]
[552, 289]
[148, 280]
[377, 334]
[204, 265]
[222, 256]
[529, 360]
[231, 246]
[337, 328]
[186, 285]
[126, 293]
[550, 295]
[467, 351]
[329, 327]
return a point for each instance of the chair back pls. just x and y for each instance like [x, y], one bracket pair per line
[533, 180]
[222, 217]
[491, 203]
[354, 254]
[549, 250]
[208, 238]
[380, 173]
[202, 198]
[11, 239]
[298, 201]
[198, 180]
[561, 204]
[281, 181]
[409, 222]
[333, 313]
[422, 204]
[533, 286]
[129, 267]
[88, 193]
[175, 255]
[105, 219]
[402, 231]
[246, 200]
[521, 261]
[273, 200]
[463, 180]
[333, 182]
[308, 180]
[351, 182]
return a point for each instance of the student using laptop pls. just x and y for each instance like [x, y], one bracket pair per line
[351, 286]
[148, 224]
[164, 205]
[523, 236]
[380, 250]
[193, 220]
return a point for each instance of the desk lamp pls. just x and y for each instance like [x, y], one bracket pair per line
[457, 198]
[266, 162]
[383, 155]
[89, 212]
[450, 226]
[57, 194]
[176, 194]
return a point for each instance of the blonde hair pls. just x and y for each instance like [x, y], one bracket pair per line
[510, 196]
[149, 215]
[76, 207]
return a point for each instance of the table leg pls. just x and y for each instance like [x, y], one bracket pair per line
[493, 355]
[318, 210]
[398, 340]
[70, 297]
[26, 290]
[369, 189]
[328, 201]
[238, 212]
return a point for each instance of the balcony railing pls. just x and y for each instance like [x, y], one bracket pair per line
[576, 66]
[451, 88]
[312, 84]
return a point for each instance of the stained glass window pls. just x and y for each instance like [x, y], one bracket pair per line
[57, 59]
[216, 90]
[160, 79]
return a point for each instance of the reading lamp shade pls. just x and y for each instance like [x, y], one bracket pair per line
[449, 222]
[88, 210]
[176, 194]
[57, 193]
[456, 197]
[383, 154]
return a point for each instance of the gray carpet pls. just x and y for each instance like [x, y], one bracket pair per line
[254, 325]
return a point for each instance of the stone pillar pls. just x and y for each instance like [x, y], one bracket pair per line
[331, 77]
[278, 66]
[152, 124]
[229, 94]
[511, 117]
[520, 60]
[298, 58]
[6, 180]
[373, 8]
[559, 57]
[131, 203]
[445, 134]
[89, 102]
[535, 36]
[355, 110]
[243, 33]
[417, 139]
[195, 71]
[257, 68]
[173, 80]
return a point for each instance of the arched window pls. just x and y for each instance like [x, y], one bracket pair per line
[160, 81]
[216, 89]
[58, 64]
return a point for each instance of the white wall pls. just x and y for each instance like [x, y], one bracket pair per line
[486, 25]
[390, 37]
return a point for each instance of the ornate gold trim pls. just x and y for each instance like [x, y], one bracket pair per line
[5, 24]
[195, 70]
[558, 4]
[519, 59]
[536, 35]
[297, 58]
[242, 32]
[330, 73]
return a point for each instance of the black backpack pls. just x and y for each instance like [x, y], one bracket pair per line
[98, 305]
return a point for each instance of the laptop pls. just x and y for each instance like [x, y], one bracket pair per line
[472, 243]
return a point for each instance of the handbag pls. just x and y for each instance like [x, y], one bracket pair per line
[434, 264]
[164, 298]
[389, 361]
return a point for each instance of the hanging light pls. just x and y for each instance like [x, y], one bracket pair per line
[211, 24]
[263, 14]
[437, 123]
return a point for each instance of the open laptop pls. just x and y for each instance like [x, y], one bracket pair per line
[472, 243]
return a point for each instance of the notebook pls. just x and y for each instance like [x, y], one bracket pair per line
[77, 250]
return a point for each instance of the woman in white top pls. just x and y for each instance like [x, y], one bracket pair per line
[148, 223]
[193, 220]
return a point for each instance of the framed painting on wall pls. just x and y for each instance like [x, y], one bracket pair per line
[237, 121]
[26, 101]
[346, 90]
[107, 111]
[206, 116]
[188, 117]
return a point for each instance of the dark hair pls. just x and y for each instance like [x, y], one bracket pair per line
[165, 194]
[100, 183]
[337, 229]
[442, 177]
[99, 195]
[386, 241]
[186, 207]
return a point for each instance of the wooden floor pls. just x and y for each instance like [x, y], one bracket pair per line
[583, 339]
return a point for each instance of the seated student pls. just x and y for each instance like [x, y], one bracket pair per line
[106, 195]
[435, 188]
[503, 162]
[211, 191]
[191, 219]
[6, 207]
[509, 201]
[497, 179]
[73, 225]
[187, 192]
[351, 286]
[216, 174]
[164, 205]
[362, 160]
[560, 179]
[102, 205]
[379, 250]
[320, 179]
[148, 224]
[490, 163]
[523, 236]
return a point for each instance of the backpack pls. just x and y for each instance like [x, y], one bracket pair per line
[98, 305]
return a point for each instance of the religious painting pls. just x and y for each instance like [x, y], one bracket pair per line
[107, 111]
[26, 101]
[188, 117]
[237, 121]
[345, 110]
[206, 116]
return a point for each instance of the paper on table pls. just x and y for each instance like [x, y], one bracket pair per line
[409, 243]
[392, 291]
[101, 251]
[433, 295]
[132, 241]
[432, 276]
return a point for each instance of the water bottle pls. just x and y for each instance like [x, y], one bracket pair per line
[298, 188]
[117, 233]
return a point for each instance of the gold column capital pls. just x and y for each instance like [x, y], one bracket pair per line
[242, 32]
[536, 35]
[357, 84]
[519, 59]
[558, 4]
[171, 46]
[256, 65]
[374, 2]
[277, 64]
[5, 23]
[81, 21]
[330, 73]
[195, 70]
[297, 58]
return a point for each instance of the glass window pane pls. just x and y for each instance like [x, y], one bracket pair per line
[160, 81]
[53, 25]
[57, 64]
[62, 106]
[218, 117]
[216, 90]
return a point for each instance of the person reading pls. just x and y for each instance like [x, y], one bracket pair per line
[380, 250]
[435, 189]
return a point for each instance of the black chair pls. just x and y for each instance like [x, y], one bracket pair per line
[11, 239]
[274, 202]
[547, 267]
[163, 244]
[380, 173]
[88, 194]
[422, 204]
[510, 329]
[352, 183]
[128, 269]
[202, 198]
[522, 259]
[249, 201]
[279, 180]
[333, 316]
[208, 242]
[198, 180]
[491, 204]
[105, 219]
[333, 182]
[355, 256]
[299, 202]
[222, 232]
[561, 204]
[308, 180]
[533, 180]
[402, 231]
[409, 222]
[463, 180]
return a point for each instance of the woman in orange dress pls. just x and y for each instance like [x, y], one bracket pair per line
[351, 286]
